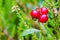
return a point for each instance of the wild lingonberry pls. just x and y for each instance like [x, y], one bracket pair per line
[35, 14]
[43, 10]
[38, 9]
[43, 18]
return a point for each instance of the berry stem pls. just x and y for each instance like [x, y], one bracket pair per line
[43, 29]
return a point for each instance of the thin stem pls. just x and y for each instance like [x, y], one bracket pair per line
[43, 30]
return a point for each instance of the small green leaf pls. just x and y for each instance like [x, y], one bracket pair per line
[29, 31]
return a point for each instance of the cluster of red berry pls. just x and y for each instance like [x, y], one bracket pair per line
[40, 14]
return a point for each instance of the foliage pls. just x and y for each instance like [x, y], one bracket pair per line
[17, 24]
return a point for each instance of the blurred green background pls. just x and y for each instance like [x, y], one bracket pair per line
[17, 24]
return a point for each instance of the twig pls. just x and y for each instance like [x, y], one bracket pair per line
[43, 30]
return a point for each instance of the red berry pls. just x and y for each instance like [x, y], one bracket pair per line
[34, 14]
[43, 10]
[38, 9]
[43, 18]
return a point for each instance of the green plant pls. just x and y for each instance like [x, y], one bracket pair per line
[17, 24]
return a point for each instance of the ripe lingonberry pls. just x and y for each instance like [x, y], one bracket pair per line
[38, 9]
[40, 14]
[35, 14]
[43, 18]
[43, 10]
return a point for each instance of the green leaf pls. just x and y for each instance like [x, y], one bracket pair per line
[29, 31]
[0, 4]
[39, 3]
[56, 6]
[7, 7]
